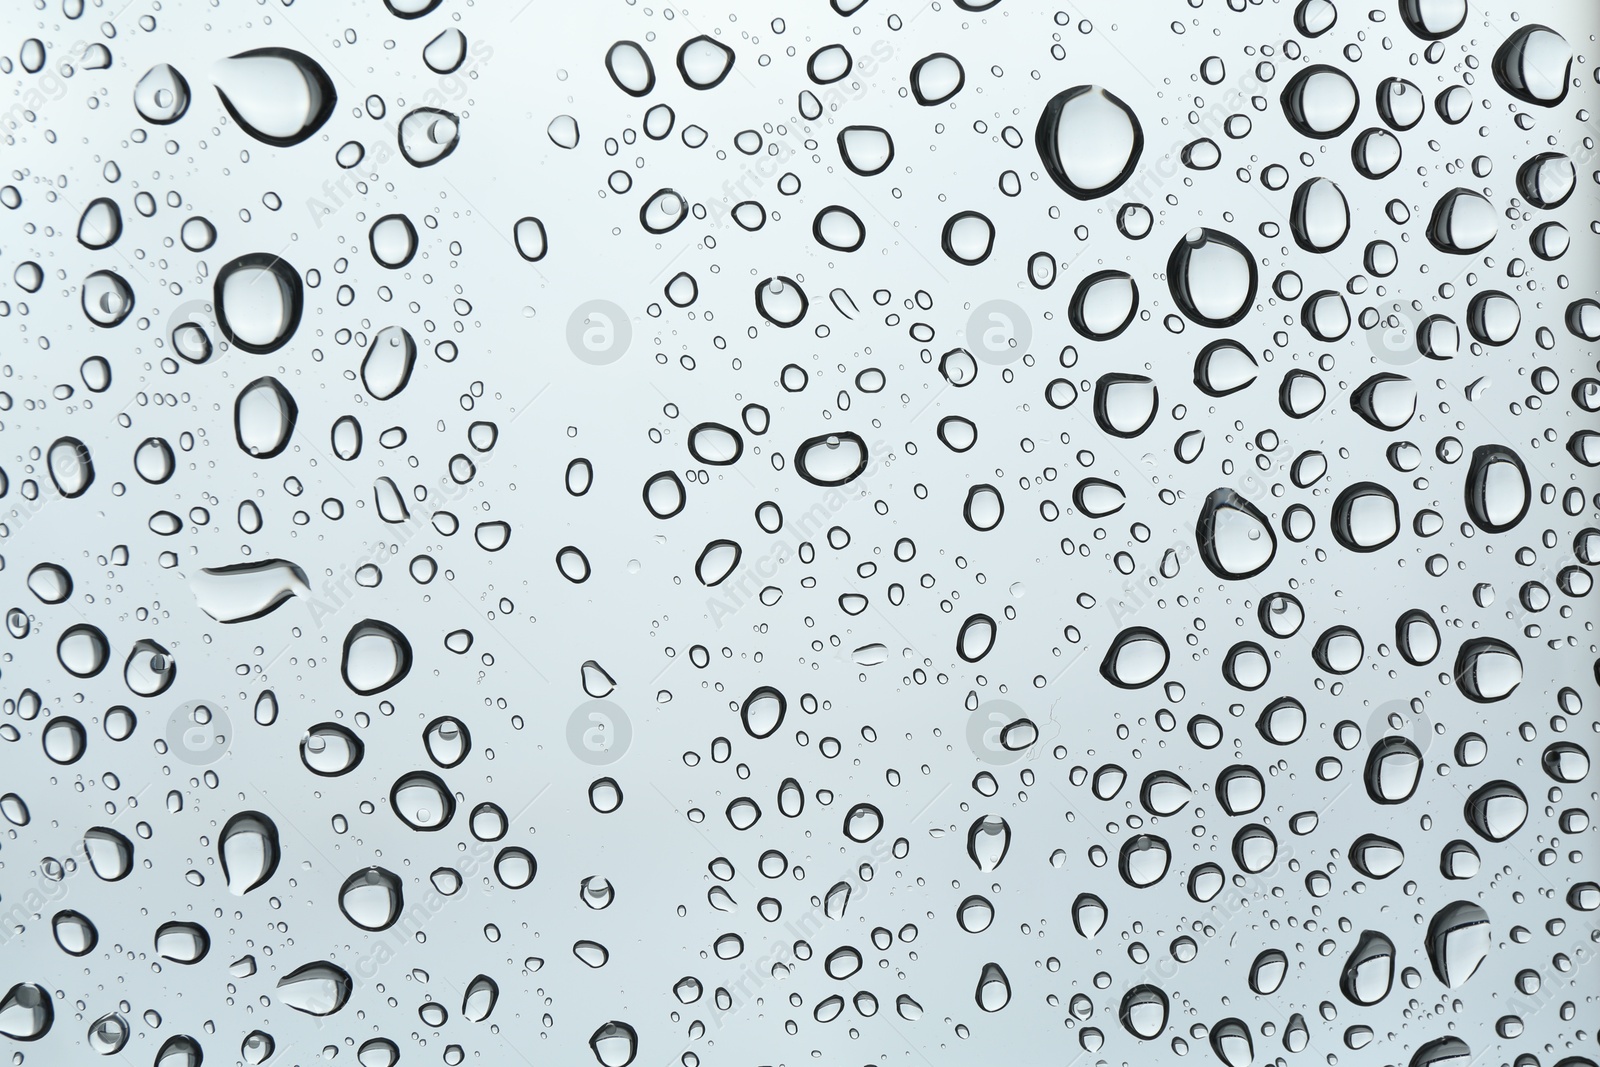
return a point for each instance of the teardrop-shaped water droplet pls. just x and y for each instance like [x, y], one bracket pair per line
[1458, 942]
[74, 932]
[316, 988]
[389, 362]
[26, 1013]
[101, 224]
[161, 96]
[1230, 1040]
[988, 841]
[1369, 971]
[182, 942]
[717, 561]
[478, 1002]
[70, 465]
[249, 850]
[1089, 914]
[994, 988]
[276, 95]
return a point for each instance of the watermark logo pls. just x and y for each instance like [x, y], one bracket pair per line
[599, 732]
[599, 332]
[1000, 733]
[1402, 716]
[199, 732]
[999, 332]
[1394, 339]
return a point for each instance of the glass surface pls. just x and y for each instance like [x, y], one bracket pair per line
[771, 533]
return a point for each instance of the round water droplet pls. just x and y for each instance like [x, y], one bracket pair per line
[422, 801]
[428, 135]
[376, 657]
[1212, 277]
[866, 150]
[1143, 1012]
[1320, 101]
[107, 299]
[704, 63]
[936, 78]
[1487, 669]
[1089, 141]
[1104, 304]
[831, 459]
[372, 898]
[614, 1044]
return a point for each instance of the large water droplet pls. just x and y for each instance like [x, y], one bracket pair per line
[1534, 65]
[243, 591]
[1487, 669]
[1137, 657]
[1212, 277]
[1458, 942]
[316, 988]
[1369, 971]
[831, 459]
[1320, 101]
[161, 96]
[1089, 141]
[1143, 1012]
[372, 898]
[376, 657]
[994, 988]
[249, 850]
[276, 95]
[26, 1012]
[258, 298]
[614, 1044]
[264, 417]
